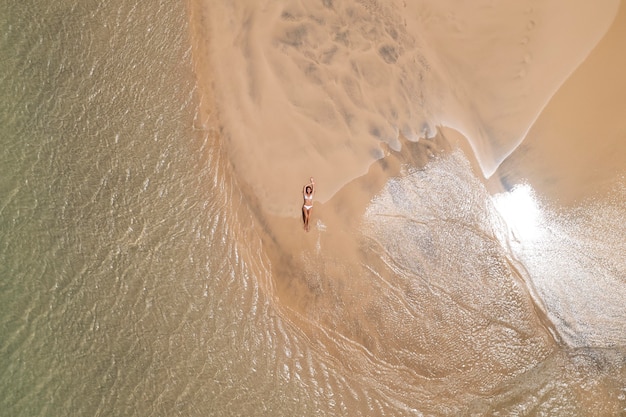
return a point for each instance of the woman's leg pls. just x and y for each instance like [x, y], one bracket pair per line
[307, 214]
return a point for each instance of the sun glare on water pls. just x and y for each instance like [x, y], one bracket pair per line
[520, 211]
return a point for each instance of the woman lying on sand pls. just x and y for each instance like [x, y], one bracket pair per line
[307, 193]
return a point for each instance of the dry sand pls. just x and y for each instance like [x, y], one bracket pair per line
[316, 89]
[576, 150]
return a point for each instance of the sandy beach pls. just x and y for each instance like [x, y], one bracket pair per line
[381, 103]
[322, 99]
[575, 151]
[308, 103]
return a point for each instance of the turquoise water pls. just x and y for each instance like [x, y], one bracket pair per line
[133, 281]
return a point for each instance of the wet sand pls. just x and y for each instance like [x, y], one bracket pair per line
[336, 224]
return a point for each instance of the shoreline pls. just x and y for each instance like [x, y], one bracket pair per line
[575, 152]
[336, 220]
[335, 223]
[400, 294]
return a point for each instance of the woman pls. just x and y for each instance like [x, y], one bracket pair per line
[307, 193]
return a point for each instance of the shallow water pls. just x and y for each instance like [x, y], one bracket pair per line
[137, 277]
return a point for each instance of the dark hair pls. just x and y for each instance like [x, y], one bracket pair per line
[308, 189]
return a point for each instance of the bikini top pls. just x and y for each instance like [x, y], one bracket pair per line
[308, 197]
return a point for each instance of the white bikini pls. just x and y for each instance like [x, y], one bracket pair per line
[310, 199]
